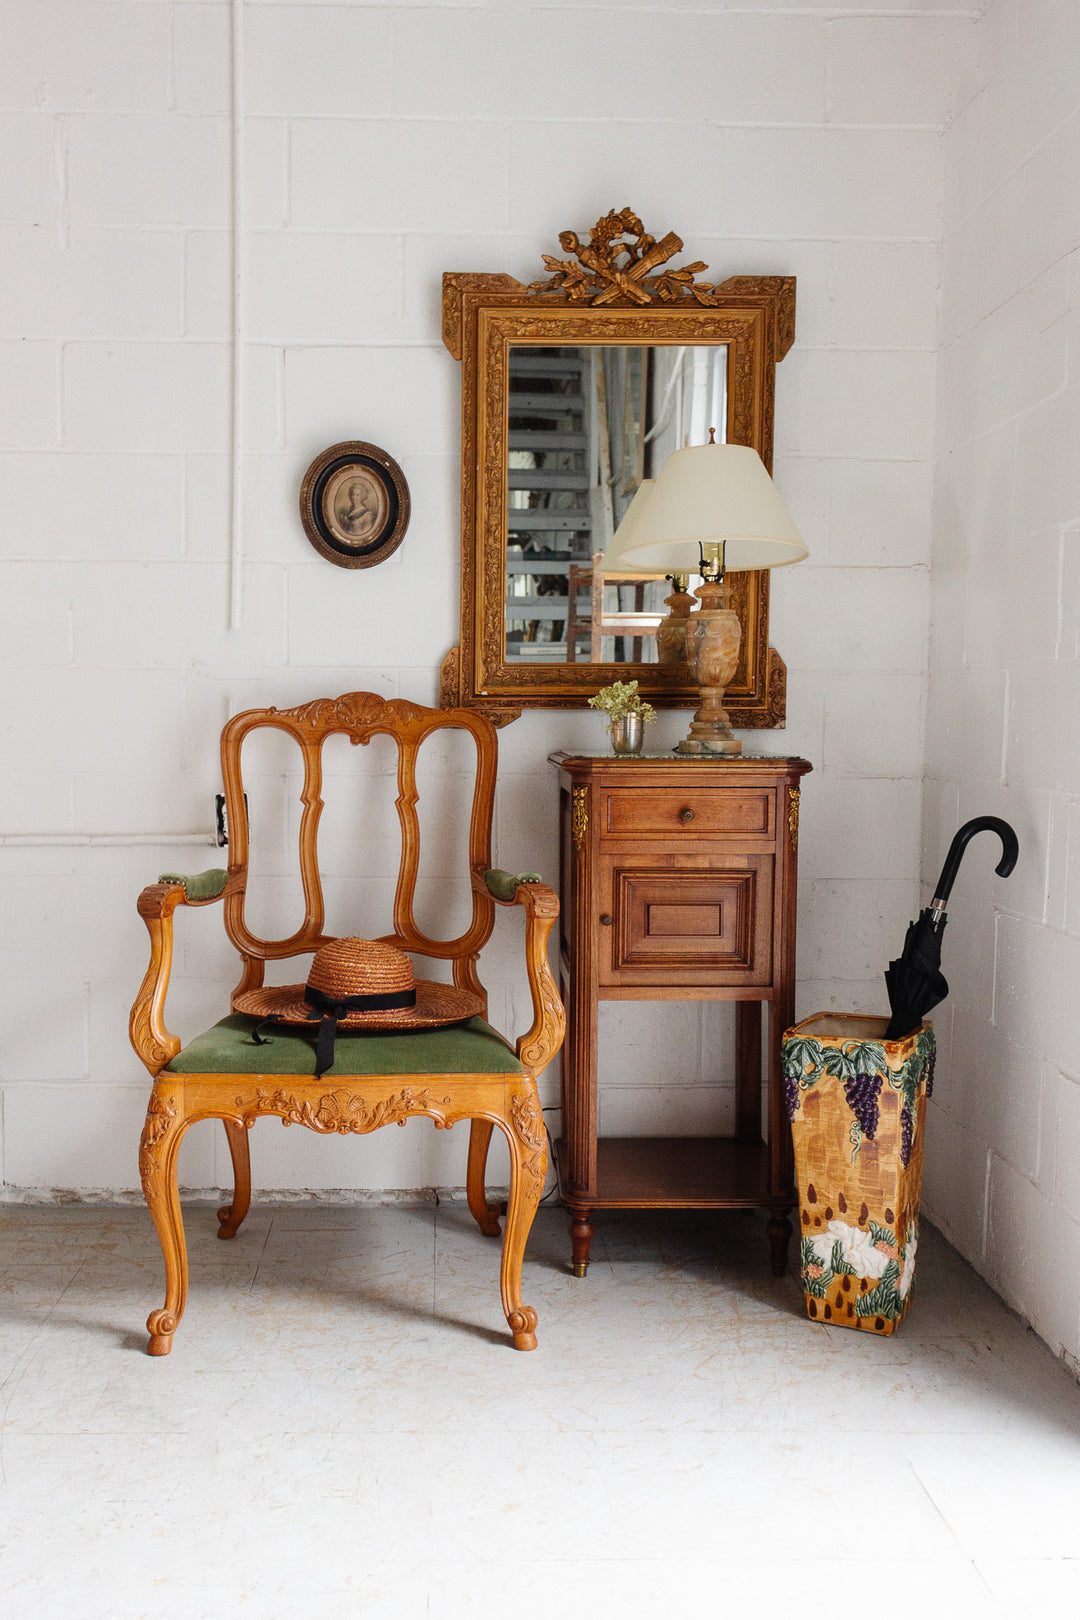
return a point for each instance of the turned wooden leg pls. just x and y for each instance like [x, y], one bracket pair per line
[581, 1231]
[485, 1215]
[162, 1134]
[524, 1131]
[231, 1215]
[779, 1230]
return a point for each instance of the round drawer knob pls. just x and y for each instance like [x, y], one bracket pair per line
[605, 918]
[686, 815]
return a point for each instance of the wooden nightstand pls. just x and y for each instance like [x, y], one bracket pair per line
[678, 884]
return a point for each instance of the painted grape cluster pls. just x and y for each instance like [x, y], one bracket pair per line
[907, 1133]
[862, 1092]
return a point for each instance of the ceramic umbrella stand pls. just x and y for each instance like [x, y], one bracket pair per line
[857, 1105]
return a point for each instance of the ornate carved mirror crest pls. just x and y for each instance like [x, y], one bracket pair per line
[575, 388]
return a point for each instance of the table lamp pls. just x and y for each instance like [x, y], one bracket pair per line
[671, 632]
[713, 507]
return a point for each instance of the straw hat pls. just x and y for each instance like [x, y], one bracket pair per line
[357, 984]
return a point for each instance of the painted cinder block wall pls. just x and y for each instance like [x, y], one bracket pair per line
[384, 144]
[1003, 1163]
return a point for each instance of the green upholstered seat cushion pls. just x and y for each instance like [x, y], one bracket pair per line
[227, 1048]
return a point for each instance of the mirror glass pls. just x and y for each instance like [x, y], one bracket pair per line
[586, 423]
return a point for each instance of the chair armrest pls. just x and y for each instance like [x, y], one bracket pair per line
[543, 1039]
[154, 1044]
[503, 886]
[199, 888]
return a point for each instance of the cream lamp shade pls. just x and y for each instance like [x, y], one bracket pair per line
[710, 494]
[615, 556]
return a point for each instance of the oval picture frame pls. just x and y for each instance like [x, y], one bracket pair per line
[354, 504]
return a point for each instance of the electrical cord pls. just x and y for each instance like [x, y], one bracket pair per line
[553, 1157]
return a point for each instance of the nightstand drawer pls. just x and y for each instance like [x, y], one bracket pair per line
[681, 921]
[689, 812]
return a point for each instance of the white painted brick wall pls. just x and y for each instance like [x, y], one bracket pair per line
[384, 144]
[1004, 687]
[162, 170]
[163, 396]
[91, 497]
[100, 57]
[48, 287]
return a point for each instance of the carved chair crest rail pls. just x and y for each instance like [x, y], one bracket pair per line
[463, 1072]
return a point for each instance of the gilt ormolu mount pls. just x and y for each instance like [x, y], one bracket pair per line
[618, 289]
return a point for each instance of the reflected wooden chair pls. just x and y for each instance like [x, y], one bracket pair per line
[467, 1072]
[636, 625]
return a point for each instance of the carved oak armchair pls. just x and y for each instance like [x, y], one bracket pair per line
[377, 1078]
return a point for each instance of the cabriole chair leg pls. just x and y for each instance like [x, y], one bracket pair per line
[231, 1215]
[162, 1134]
[524, 1132]
[485, 1214]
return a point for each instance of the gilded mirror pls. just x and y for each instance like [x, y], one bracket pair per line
[574, 389]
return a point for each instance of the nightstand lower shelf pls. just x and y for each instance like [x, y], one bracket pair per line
[676, 1172]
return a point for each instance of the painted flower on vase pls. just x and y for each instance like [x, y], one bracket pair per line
[863, 1254]
[907, 1262]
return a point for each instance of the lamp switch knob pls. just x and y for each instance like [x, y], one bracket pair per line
[605, 918]
[686, 815]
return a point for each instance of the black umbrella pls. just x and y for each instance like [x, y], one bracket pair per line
[915, 981]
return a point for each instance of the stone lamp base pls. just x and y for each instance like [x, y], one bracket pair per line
[671, 632]
[713, 638]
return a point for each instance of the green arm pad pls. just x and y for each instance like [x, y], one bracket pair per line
[200, 886]
[504, 884]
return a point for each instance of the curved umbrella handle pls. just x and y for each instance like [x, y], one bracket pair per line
[1010, 849]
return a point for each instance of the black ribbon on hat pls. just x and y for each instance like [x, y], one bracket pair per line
[328, 1009]
[334, 1007]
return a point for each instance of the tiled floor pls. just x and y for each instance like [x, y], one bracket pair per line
[343, 1430]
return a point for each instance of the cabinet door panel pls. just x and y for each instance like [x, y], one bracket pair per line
[686, 920]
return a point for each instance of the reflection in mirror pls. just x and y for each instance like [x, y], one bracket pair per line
[586, 423]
